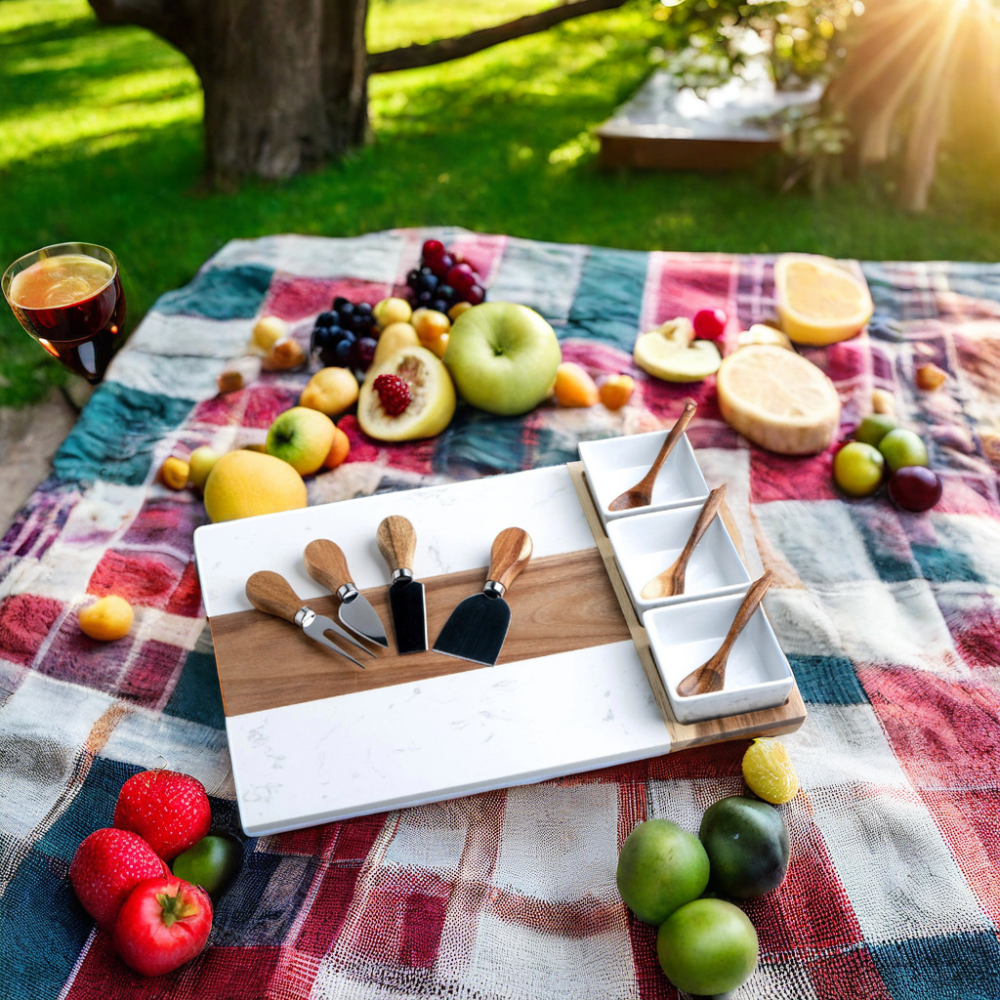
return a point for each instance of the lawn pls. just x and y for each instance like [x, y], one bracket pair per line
[100, 141]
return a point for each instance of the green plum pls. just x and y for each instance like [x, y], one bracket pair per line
[211, 863]
[902, 448]
[660, 868]
[874, 427]
[707, 947]
[858, 469]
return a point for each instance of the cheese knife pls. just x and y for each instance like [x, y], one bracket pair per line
[478, 627]
[397, 542]
[326, 564]
[272, 593]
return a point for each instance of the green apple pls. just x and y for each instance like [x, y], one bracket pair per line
[302, 438]
[201, 462]
[503, 357]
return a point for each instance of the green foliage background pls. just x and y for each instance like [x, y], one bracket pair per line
[100, 140]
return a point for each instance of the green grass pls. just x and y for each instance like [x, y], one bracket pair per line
[100, 140]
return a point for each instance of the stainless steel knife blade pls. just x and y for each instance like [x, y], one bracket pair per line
[327, 564]
[397, 541]
[477, 628]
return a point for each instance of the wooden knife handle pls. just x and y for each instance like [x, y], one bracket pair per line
[327, 564]
[511, 552]
[272, 593]
[397, 541]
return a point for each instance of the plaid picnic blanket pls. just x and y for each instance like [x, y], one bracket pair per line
[890, 621]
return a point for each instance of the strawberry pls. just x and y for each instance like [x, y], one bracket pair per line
[164, 923]
[169, 810]
[105, 869]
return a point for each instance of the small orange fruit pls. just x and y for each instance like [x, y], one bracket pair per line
[457, 309]
[339, 450]
[174, 473]
[440, 345]
[574, 387]
[616, 391]
[107, 619]
[429, 324]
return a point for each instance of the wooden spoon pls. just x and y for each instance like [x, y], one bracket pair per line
[711, 675]
[671, 581]
[641, 494]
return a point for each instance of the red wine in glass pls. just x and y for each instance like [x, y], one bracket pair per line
[69, 298]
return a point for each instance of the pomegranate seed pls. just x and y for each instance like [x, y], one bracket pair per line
[709, 324]
[393, 393]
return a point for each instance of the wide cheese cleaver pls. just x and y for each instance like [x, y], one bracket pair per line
[397, 541]
[478, 626]
[327, 564]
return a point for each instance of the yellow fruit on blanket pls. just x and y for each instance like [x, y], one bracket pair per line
[431, 395]
[302, 438]
[268, 330]
[331, 391]
[246, 483]
[769, 771]
[778, 400]
[107, 619]
[394, 338]
[616, 391]
[339, 450]
[390, 311]
[201, 462]
[819, 302]
[174, 473]
[573, 386]
[430, 324]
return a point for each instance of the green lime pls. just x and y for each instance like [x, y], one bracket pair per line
[660, 868]
[874, 427]
[707, 947]
[211, 863]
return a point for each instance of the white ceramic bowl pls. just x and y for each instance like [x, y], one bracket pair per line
[684, 636]
[615, 464]
[646, 545]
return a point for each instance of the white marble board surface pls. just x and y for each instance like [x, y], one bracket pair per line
[468, 732]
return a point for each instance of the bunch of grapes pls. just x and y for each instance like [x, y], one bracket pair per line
[443, 280]
[345, 335]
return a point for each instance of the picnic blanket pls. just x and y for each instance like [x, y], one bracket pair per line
[890, 621]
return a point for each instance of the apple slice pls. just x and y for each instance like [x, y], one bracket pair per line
[671, 353]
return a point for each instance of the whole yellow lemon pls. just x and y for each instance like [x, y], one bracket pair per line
[246, 483]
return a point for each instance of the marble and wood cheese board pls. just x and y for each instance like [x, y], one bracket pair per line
[314, 739]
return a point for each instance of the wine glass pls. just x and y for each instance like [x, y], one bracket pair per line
[69, 298]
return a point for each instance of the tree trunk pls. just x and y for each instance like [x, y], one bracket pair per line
[284, 80]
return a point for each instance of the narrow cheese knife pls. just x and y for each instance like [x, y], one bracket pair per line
[327, 564]
[397, 542]
[272, 593]
[478, 626]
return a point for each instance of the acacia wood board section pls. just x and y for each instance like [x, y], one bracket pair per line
[558, 604]
[785, 718]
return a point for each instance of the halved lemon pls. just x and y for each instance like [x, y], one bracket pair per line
[778, 400]
[672, 354]
[769, 771]
[819, 302]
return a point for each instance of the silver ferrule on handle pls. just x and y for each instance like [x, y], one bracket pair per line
[494, 588]
[304, 617]
[348, 592]
[402, 574]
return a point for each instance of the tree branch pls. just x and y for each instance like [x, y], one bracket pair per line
[413, 56]
[163, 19]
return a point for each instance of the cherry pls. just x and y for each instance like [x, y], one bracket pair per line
[915, 487]
[475, 295]
[462, 277]
[709, 324]
[432, 249]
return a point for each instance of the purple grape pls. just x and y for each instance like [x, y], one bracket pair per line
[915, 487]
[364, 351]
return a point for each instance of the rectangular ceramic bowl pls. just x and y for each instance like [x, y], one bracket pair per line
[615, 464]
[684, 636]
[646, 545]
